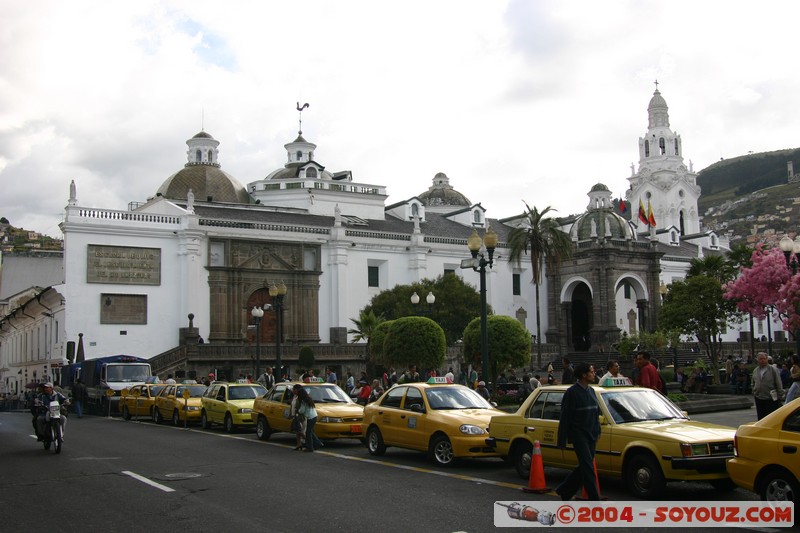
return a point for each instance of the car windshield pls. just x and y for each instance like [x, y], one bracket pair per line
[455, 398]
[249, 392]
[195, 391]
[633, 405]
[127, 372]
[327, 394]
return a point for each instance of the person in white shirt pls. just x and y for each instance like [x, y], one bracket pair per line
[451, 378]
[613, 371]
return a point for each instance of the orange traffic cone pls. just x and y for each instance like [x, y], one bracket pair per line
[536, 482]
[585, 496]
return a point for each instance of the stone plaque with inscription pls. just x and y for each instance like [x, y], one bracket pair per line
[125, 265]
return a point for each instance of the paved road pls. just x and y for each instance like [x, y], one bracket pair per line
[114, 474]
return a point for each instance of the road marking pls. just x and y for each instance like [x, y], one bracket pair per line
[148, 481]
[367, 460]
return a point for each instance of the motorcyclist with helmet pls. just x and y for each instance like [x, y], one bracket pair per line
[42, 402]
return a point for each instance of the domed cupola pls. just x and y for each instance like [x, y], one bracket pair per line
[657, 111]
[202, 174]
[442, 194]
[600, 220]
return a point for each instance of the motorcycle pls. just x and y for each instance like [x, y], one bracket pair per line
[53, 430]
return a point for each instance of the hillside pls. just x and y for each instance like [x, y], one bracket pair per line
[750, 196]
[734, 178]
[14, 239]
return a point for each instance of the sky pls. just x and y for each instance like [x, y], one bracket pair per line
[515, 100]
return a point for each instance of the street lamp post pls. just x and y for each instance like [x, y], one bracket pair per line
[791, 249]
[278, 292]
[478, 263]
[258, 314]
[430, 299]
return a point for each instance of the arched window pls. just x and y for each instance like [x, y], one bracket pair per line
[414, 210]
[198, 156]
[673, 236]
[662, 146]
[677, 147]
[647, 148]
[210, 156]
[477, 216]
[683, 230]
[299, 155]
[311, 172]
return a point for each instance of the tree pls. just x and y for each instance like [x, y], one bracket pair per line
[509, 344]
[543, 239]
[414, 340]
[696, 306]
[714, 266]
[377, 342]
[306, 358]
[757, 289]
[456, 304]
[365, 327]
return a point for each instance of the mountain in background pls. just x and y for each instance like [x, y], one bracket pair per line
[752, 196]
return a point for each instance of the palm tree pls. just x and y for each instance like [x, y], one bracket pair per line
[364, 327]
[718, 267]
[543, 239]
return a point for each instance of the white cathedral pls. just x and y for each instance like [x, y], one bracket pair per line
[206, 245]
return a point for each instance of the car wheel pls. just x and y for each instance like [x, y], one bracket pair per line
[126, 414]
[522, 459]
[644, 477]
[375, 443]
[204, 423]
[778, 485]
[157, 418]
[263, 430]
[723, 485]
[229, 423]
[176, 418]
[441, 451]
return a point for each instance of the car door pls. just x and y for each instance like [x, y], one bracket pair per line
[542, 425]
[162, 401]
[412, 423]
[279, 408]
[218, 404]
[388, 413]
[606, 458]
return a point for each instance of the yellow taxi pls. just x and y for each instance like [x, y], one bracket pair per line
[445, 420]
[171, 405]
[140, 400]
[337, 415]
[645, 439]
[767, 455]
[229, 404]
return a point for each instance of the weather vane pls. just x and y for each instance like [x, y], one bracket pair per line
[300, 119]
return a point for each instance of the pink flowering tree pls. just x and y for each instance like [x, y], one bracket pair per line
[767, 286]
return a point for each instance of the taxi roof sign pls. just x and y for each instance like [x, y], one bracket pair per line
[619, 381]
[313, 380]
[433, 380]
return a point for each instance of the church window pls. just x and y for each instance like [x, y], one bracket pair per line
[476, 217]
[311, 172]
[198, 157]
[647, 148]
[662, 146]
[682, 228]
[677, 147]
[626, 288]
[414, 210]
[515, 285]
[299, 155]
[210, 156]
[673, 236]
[373, 276]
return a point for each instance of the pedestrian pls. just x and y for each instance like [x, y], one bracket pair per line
[567, 374]
[767, 387]
[612, 371]
[579, 424]
[550, 367]
[298, 419]
[350, 383]
[483, 391]
[331, 376]
[364, 393]
[79, 396]
[307, 408]
[536, 382]
[377, 390]
[794, 388]
[450, 376]
[525, 389]
[648, 374]
[170, 380]
[267, 379]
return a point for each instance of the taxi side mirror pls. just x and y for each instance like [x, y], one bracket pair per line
[685, 413]
[417, 408]
[493, 404]
[602, 419]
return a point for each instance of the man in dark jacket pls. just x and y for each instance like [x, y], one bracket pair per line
[579, 424]
[79, 396]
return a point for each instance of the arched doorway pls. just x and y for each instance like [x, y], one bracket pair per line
[581, 318]
[262, 299]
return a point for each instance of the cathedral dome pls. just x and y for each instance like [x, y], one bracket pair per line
[441, 193]
[657, 101]
[203, 176]
[600, 220]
